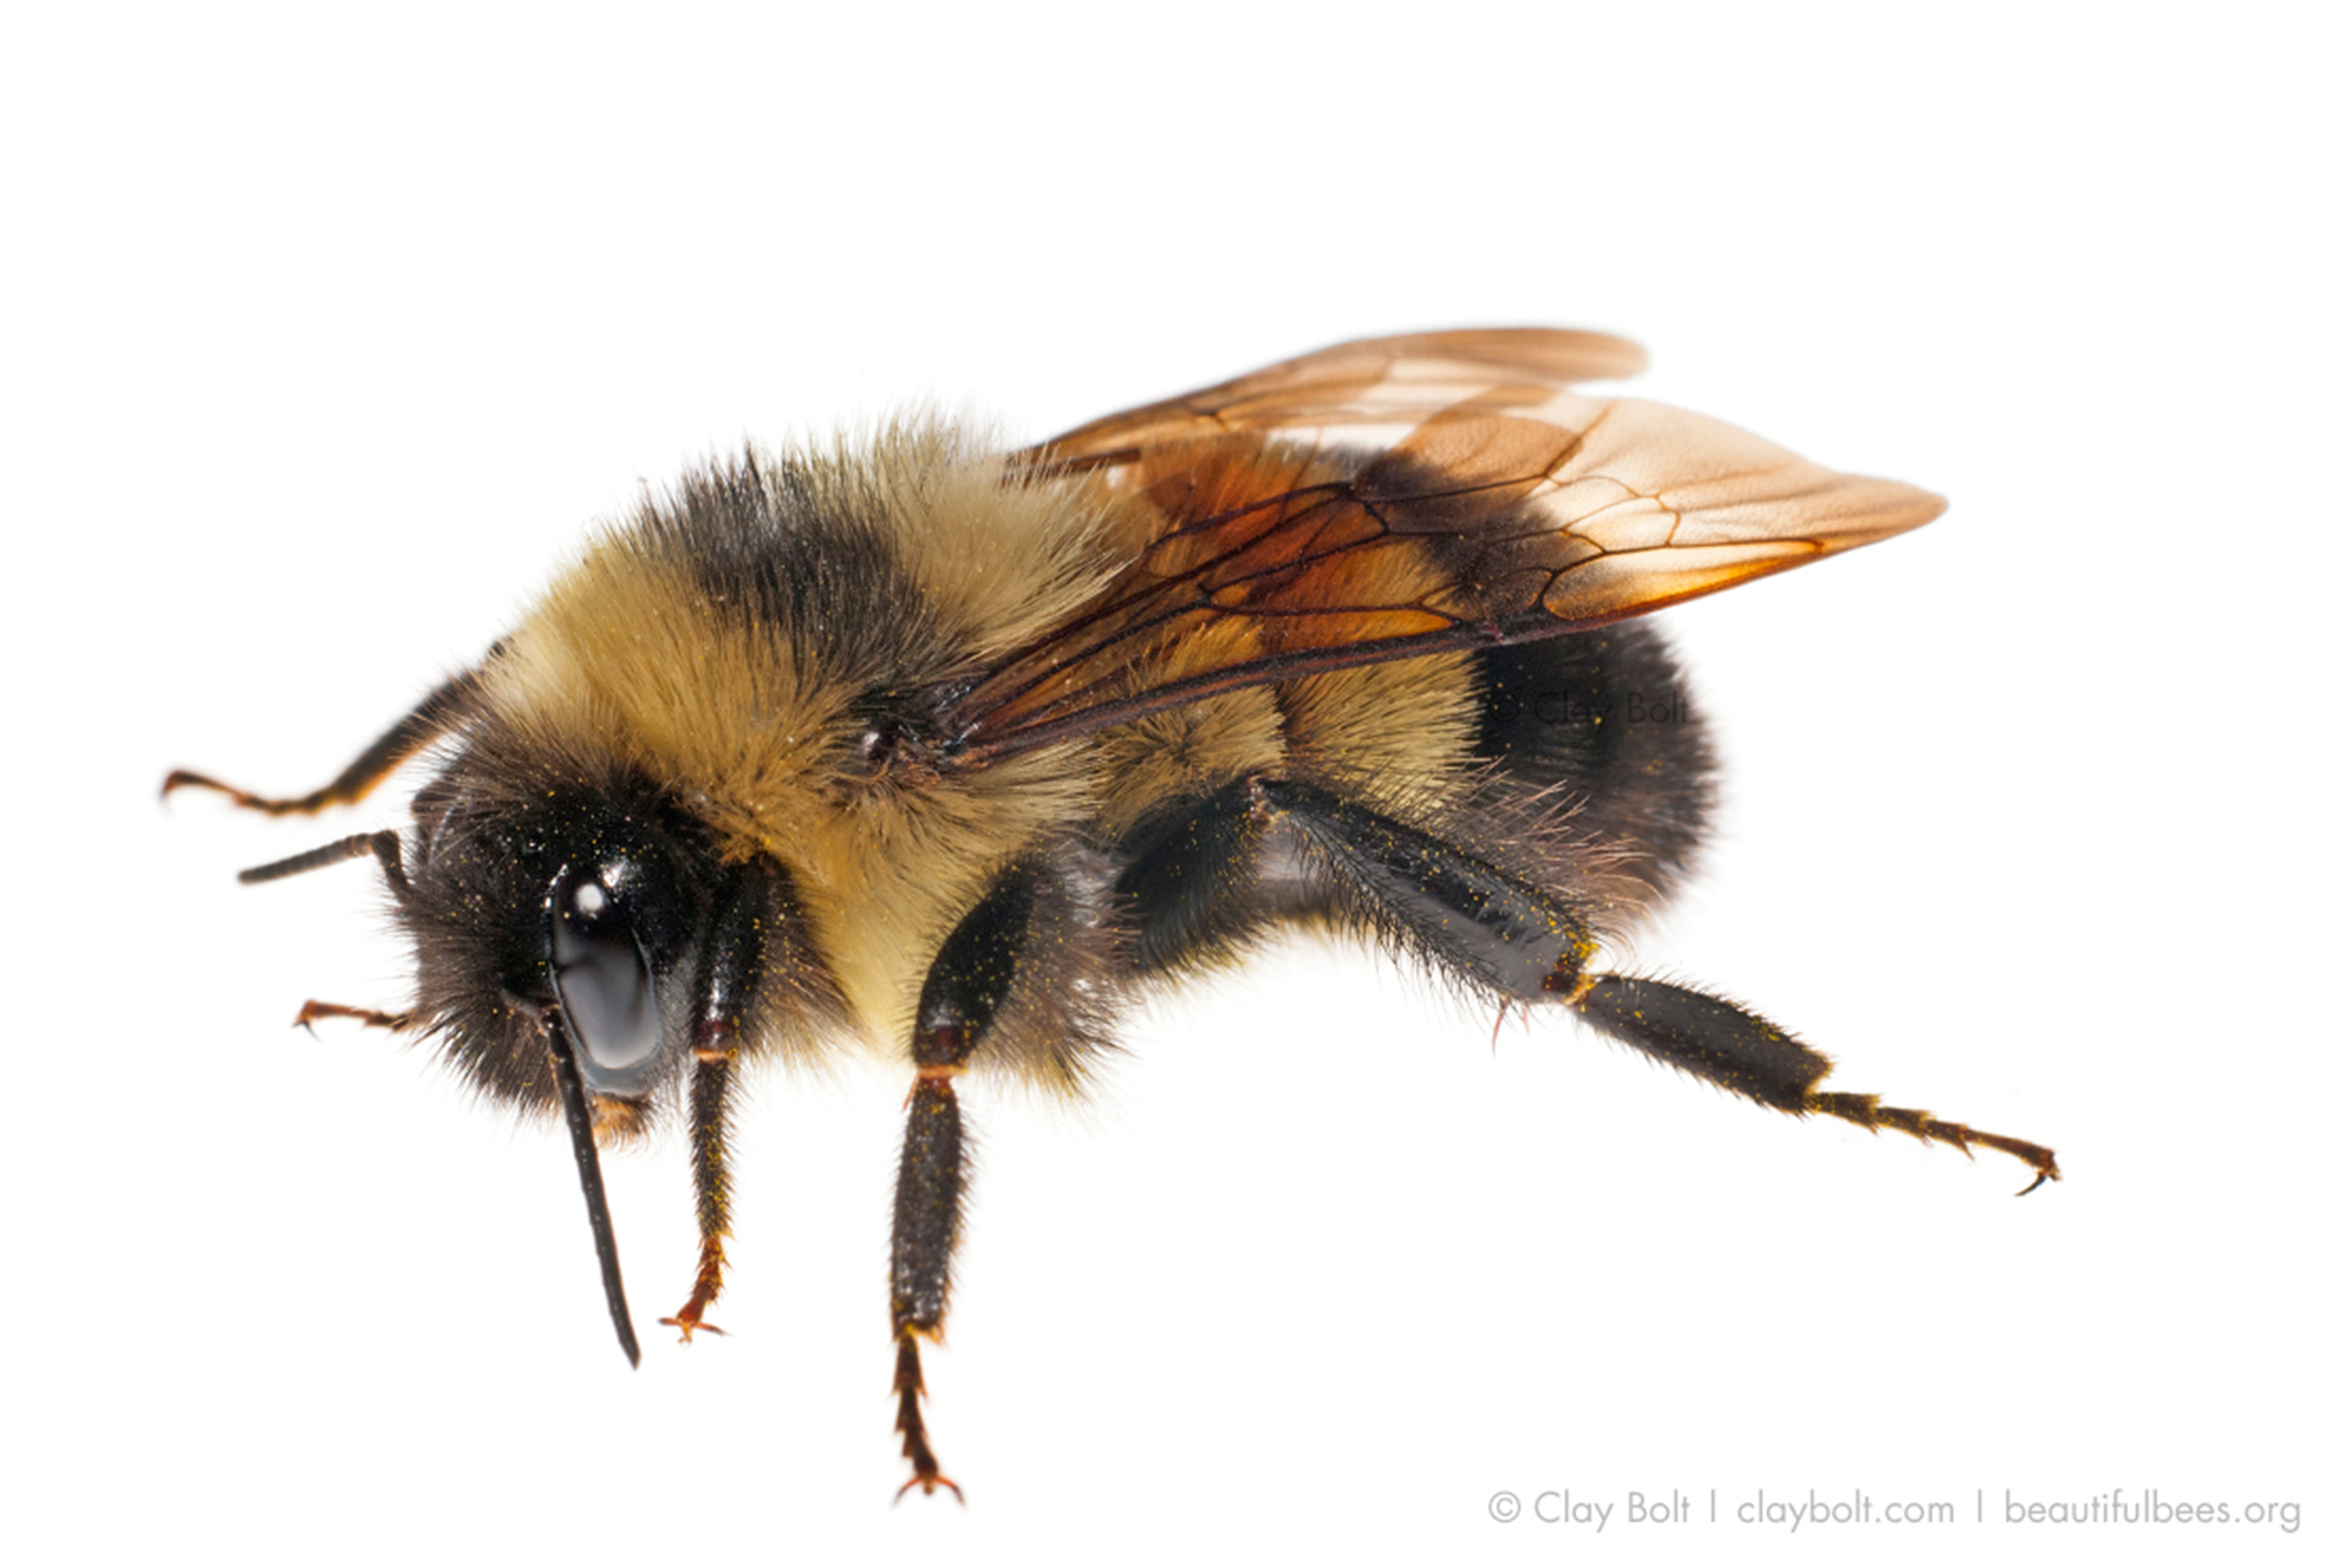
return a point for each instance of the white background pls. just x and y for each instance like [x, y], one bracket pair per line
[325, 340]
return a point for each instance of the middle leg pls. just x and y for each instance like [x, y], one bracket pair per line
[968, 983]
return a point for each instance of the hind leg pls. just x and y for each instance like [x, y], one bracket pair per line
[1522, 943]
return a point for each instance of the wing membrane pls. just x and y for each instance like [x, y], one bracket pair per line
[1372, 380]
[1509, 509]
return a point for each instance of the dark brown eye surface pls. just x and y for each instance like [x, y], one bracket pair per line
[603, 980]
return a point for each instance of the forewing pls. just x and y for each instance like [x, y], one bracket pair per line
[1372, 380]
[1513, 512]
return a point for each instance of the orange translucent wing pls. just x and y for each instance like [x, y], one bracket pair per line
[1508, 511]
[1371, 381]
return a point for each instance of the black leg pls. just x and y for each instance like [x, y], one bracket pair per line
[712, 1110]
[1183, 891]
[383, 845]
[929, 1212]
[967, 983]
[1525, 945]
[1745, 1054]
[374, 1018]
[429, 720]
[732, 963]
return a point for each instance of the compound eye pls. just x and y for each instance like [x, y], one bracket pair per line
[602, 980]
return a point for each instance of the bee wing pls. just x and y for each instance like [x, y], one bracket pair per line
[1371, 381]
[1508, 511]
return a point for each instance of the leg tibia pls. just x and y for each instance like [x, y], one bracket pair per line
[1432, 897]
[710, 1107]
[440, 711]
[725, 988]
[930, 1208]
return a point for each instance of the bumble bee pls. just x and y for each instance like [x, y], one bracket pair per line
[950, 754]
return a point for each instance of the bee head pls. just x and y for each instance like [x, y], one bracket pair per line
[586, 898]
